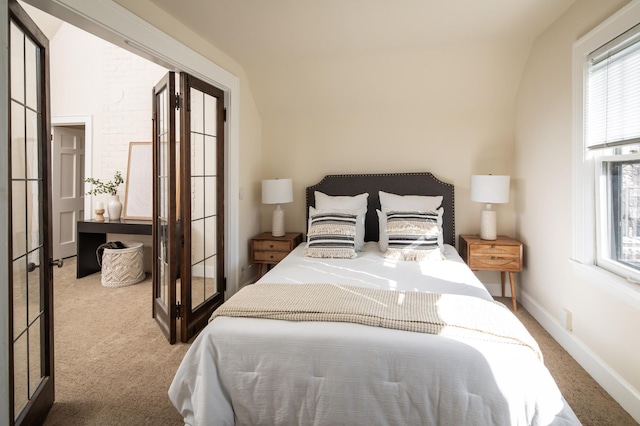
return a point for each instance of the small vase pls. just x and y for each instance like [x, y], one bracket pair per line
[114, 207]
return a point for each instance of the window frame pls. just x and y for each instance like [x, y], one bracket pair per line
[604, 255]
[585, 198]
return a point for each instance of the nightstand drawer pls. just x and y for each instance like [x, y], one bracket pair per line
[491, 250]
[272, 246]
[269, 256]
[497, 263]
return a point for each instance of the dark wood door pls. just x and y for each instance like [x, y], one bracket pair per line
[29, 234]
[165, 243]
[202, 202]
[188, 215]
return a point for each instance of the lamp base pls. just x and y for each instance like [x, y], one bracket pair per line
[277, 222]
[488, 226]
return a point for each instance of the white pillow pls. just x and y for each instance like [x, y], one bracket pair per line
[383, 238]
[409, 203]
[346, 202]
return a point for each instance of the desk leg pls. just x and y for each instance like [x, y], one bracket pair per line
[86, 262]
[502, 281]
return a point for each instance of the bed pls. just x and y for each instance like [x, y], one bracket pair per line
[316, 368]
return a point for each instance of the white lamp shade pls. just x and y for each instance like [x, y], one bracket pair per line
[490, 189]
[277, 191]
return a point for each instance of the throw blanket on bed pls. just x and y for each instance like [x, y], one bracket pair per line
[448, 315]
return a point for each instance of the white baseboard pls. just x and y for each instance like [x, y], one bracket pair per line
[621, 390]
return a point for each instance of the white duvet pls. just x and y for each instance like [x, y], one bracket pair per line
[247, 371]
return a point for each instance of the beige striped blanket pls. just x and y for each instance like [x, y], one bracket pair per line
[448, 315]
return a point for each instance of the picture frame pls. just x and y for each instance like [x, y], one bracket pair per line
[139, 182]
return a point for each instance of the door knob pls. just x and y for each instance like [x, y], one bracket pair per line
[57, 263]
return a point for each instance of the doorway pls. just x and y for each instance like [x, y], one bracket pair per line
[117, 24]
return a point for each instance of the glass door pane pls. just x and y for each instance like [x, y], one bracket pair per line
[203, 196]
[30, 270]
[203, 201]
[164, 207]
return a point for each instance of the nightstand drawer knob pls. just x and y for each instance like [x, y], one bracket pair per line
[270, 245]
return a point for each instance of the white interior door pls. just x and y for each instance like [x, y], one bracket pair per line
[67, 177]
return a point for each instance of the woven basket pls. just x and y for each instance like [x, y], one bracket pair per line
[123, 267]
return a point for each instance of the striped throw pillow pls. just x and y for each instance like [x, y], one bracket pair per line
[332, 234]
[413, 236]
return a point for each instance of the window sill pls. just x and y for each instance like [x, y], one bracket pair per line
[612, 284]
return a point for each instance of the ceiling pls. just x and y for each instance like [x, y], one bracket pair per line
[255, 32]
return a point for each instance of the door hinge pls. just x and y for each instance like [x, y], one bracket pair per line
[178, 311]
[178, 101]
[224, 115]
[224, 284]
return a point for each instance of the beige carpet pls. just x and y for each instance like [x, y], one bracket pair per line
[592, 404]
[113, 365]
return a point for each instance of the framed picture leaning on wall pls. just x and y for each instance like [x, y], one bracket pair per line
[139, 183]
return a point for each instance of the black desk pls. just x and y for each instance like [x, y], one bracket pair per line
[90, 234]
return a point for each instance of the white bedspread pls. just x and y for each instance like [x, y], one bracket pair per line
[248, 371]
[371, 269]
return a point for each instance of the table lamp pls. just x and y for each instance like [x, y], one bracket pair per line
[489, 189]
[277, 191]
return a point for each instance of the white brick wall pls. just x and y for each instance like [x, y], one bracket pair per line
[127, 82]
[90, 77]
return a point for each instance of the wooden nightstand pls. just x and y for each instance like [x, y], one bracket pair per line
[269, 250]
[503, 254]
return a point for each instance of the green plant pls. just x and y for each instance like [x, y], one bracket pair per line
[109, 187]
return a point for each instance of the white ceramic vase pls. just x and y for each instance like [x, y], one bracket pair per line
[114, 207]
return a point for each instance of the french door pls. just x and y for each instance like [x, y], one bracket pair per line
[165, 238]
[29, 235]
[188, 228]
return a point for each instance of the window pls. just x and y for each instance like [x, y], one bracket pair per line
[613, 138]
[618, 215]
[607, 145]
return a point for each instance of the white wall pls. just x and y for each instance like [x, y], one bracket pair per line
[605, 327]
[92, 77]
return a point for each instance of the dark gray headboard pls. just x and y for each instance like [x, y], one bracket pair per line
[395, 183]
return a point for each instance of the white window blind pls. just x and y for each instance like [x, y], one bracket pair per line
[613, 92]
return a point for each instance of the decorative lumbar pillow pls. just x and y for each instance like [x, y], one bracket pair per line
[331, 234]
[346, 202]
[383, 239]
[413, 236]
